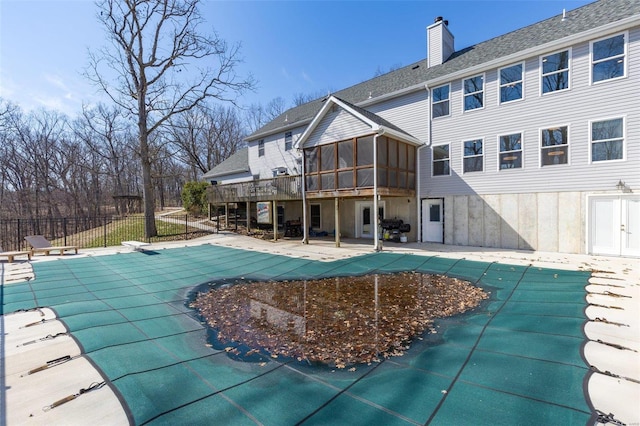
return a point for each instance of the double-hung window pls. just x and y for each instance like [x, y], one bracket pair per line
[510, 155]
[607, 140]
[511, 83]
[440, 101]
[608, 58]
[288, 141]
[473, 92]
[441, 160]
[473, 157]
[261, 148]
[555, 72]
[554, 146]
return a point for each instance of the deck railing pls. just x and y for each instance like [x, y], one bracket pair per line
[272, 189]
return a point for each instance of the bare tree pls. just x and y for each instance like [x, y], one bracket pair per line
[204, 137]
[159, 65]
[107, 135]
[257, 115]
[303, 98]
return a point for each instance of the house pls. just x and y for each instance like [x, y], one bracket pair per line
[530, 140]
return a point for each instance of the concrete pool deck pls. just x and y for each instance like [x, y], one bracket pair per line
[613, 332]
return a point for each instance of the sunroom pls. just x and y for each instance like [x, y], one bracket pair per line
[356, 164]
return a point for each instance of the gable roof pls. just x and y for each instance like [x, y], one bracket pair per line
[377, 123]
[236, 163]
[602, 15]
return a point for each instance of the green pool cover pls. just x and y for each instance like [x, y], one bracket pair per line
[515, 360]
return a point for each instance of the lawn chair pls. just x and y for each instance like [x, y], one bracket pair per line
[40, 244]
[11, 254]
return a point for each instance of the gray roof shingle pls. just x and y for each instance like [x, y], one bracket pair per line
[578, 20]
[236, 163]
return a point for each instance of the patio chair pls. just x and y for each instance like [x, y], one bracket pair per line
[40, 244]
[11, 254]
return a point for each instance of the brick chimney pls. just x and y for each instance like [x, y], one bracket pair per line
[439, 42]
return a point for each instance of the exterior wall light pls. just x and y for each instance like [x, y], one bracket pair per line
[622, 187]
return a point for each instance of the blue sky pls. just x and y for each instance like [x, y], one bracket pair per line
[290, 47]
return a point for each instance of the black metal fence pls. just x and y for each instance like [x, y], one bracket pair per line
[102, 231]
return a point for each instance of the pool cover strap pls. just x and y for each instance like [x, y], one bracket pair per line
[91, 387]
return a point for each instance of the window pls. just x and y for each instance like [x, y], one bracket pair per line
[473, 158]
[510, 151]
[511, 83]
[288, 141]
[316, 222]
[607, 58]
[555, 72]
[440, 101]
[554, 147]
[441, 160]
[261, 148]
[607, 140]
[473, 92]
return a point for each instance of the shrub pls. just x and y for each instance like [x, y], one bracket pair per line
[194, 197]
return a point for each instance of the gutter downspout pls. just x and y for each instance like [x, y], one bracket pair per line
[303, 188]
[376, 238]
[418, 174]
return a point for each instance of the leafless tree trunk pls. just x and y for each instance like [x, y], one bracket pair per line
[204, 137]
[108, 136]
[152, 69]
[258, 115]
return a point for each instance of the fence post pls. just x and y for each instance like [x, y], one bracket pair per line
[105, 230]
[64, 229]
[186, 226]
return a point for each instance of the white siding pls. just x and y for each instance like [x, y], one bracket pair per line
[233, 178]
[336, 126]
[574, 108]
[275, 155]
[409, 112]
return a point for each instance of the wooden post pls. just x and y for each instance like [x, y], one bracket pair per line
[337, 220]
[248, 217]
[275, 220]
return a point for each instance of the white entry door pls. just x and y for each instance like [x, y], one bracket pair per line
[433, 220]
[615, 225]
[365, 217]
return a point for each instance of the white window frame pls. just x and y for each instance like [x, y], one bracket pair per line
[544, 149]
[433, 160]
[521, 151]
[261, 148]
[288, 141]
[624, 56]
[624, 139]
[448, 100]
[543, 75]
[464, 156]
[464, 95]
[501, 85]
[310, 215]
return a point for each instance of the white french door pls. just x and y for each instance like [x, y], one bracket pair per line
[614, 225]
